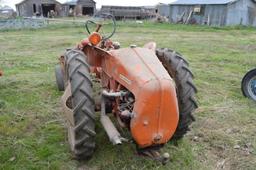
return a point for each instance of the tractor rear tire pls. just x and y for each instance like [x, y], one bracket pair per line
[177, 68]
[59, 78]
[82, 135]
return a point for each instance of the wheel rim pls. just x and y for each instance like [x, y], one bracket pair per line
[252, 88]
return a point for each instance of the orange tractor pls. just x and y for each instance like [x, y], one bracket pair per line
[150, 91]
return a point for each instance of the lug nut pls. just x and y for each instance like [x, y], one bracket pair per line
[145, 123]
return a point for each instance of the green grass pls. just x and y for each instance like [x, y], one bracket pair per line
[32, 127]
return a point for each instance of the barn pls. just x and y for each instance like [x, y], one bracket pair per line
[214, 12]
[28, 8]
[79, 7]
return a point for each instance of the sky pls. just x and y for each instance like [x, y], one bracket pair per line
[12, 3]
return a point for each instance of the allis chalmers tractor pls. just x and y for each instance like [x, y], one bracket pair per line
[150, 91]
[249, 85]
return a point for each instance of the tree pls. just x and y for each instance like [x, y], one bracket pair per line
[1, 3]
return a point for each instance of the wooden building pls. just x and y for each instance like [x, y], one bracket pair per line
[46, 8]
[79, 7]
[129, 12]
[29, 8]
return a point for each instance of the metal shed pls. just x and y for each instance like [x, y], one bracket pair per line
[163, 9]
[214, 12]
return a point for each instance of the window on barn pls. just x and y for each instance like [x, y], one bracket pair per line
[34, 8]
[199, 10]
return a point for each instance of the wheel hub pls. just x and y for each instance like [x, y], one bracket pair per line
[252, 87]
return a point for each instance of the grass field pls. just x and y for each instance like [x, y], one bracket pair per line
[32, 127]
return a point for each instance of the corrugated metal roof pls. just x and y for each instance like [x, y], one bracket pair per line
[203, 2]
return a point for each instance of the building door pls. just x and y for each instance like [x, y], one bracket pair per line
[47, 8]
[88, 10]
[34, 8]
[251, 16]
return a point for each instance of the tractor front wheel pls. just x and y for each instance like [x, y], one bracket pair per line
[177, 68]
[59, 78]
[82, 134]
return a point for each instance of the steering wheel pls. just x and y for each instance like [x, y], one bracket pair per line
[103, 16]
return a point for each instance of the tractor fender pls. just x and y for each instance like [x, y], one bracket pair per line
[155, 114]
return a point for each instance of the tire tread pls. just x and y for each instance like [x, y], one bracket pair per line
[78, 72]
[178, 69]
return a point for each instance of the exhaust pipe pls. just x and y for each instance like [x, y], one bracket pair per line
[113, 134]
